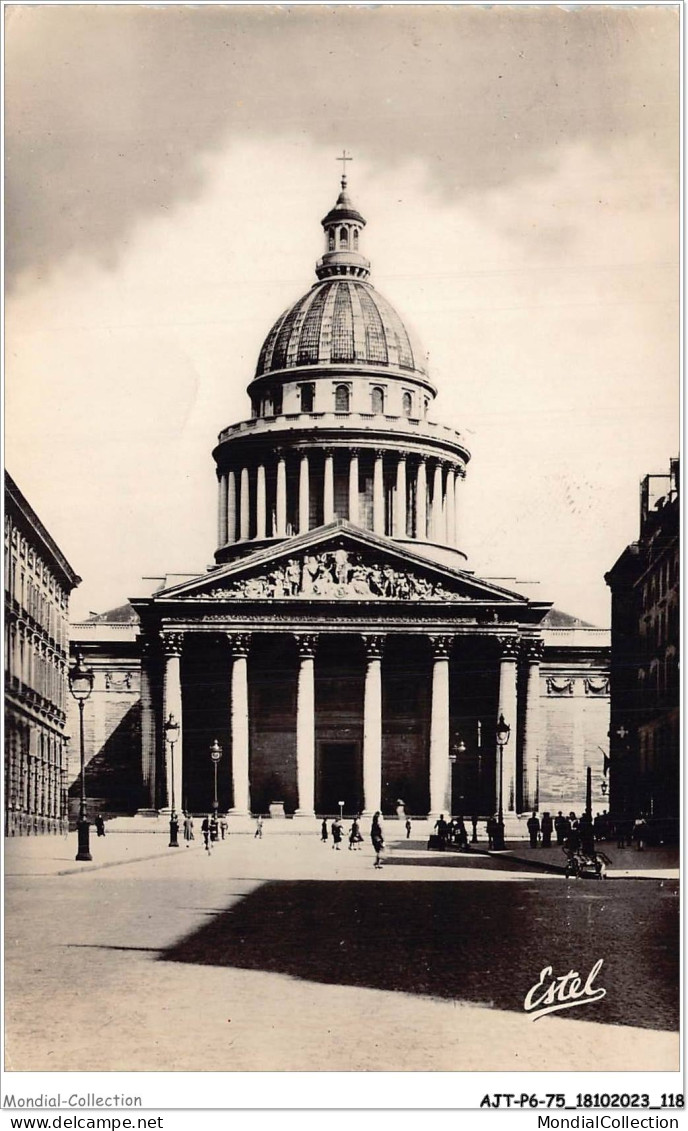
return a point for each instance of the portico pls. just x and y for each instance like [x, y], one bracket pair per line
[343, 669]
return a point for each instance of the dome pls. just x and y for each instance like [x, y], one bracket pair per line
[340, 322]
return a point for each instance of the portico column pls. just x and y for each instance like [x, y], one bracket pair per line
[440, 801]
[148, 727]
[240, 643]
[305, 725]
[459, 539]
[507, 707]
[400, 500]
[421, 501]
[261, 503]
[436, 512]
[372, 725]
[451, 508]
[222, 508]
[304, 494]
[172, 643]
[328, 488]
[281, 509]
[353, 487]
[378, 495]
[244, 517]
[533, 651]
[231, 508]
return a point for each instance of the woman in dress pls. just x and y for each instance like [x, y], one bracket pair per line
[377, 839]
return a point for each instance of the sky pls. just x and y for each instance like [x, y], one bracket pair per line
[167, 169]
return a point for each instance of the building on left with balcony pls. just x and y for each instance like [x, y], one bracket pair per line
[38, 583]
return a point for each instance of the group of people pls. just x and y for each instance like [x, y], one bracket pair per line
[454, 831]
[355, 837]
[581, 833]
[213, 829]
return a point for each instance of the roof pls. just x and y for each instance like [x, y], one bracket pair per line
[15, 502]
[340, 321]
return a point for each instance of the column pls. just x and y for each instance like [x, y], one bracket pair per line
[400, 499]
[440, 800]
[421, 501]
[147, 727]
[378, 495]
[281, 510]
[305, 725]
[353, 487]
[222, 508]
[244, 512]
[509, 646]
[372, 725]
[459, 539]
[172, 643]
[231, 508]
[239, 733]
[451, 508]
[304, 494]
[436, 520]
[532, 653]
[328, 487]
[261, 503]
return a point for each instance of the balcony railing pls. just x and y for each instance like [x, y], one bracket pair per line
[345, 422]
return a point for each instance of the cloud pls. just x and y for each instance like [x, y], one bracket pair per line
[111, 110]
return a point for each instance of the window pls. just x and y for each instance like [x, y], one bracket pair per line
[355, 239]
[330, 241]
[307, 397]
[341, 399]
[277, 401]
[343, 237]
[407, 404]
[377, 399]
[426, 404]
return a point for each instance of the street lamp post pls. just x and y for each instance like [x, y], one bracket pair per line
[341, 810]
[215, 754]
[171, 735]
[460, 748]
[81, 685]
[503, 732]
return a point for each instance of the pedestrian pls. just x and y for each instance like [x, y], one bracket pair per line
[258, 834]
[460, 834]
[213, 827]
[533, 826]
[377, 838]
[442, 830]
[188, 828]
[205, 829]
[100, 825]
[323, 831]
[408, 827]
[560, 827]
[490, 829]
[546, 827]
[223, 826]
[355, 835]
[337, 830]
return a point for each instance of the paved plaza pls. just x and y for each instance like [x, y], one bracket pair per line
[281, 953]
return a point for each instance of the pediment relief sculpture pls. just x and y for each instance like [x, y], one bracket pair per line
[332, 574]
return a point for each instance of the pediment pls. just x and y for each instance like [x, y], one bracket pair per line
[338, 563]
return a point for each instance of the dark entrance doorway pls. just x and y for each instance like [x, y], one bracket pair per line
[338, 774]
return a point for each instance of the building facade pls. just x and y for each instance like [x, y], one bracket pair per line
[645, 687]
[340, 650]
[38, 582]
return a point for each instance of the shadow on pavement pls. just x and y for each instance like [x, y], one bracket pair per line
[483, 943]
[470, 860]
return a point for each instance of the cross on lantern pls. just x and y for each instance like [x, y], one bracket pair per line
[344, 158]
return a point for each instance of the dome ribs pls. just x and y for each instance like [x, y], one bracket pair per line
[376, 339]
[342, 346]
[309, 339]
